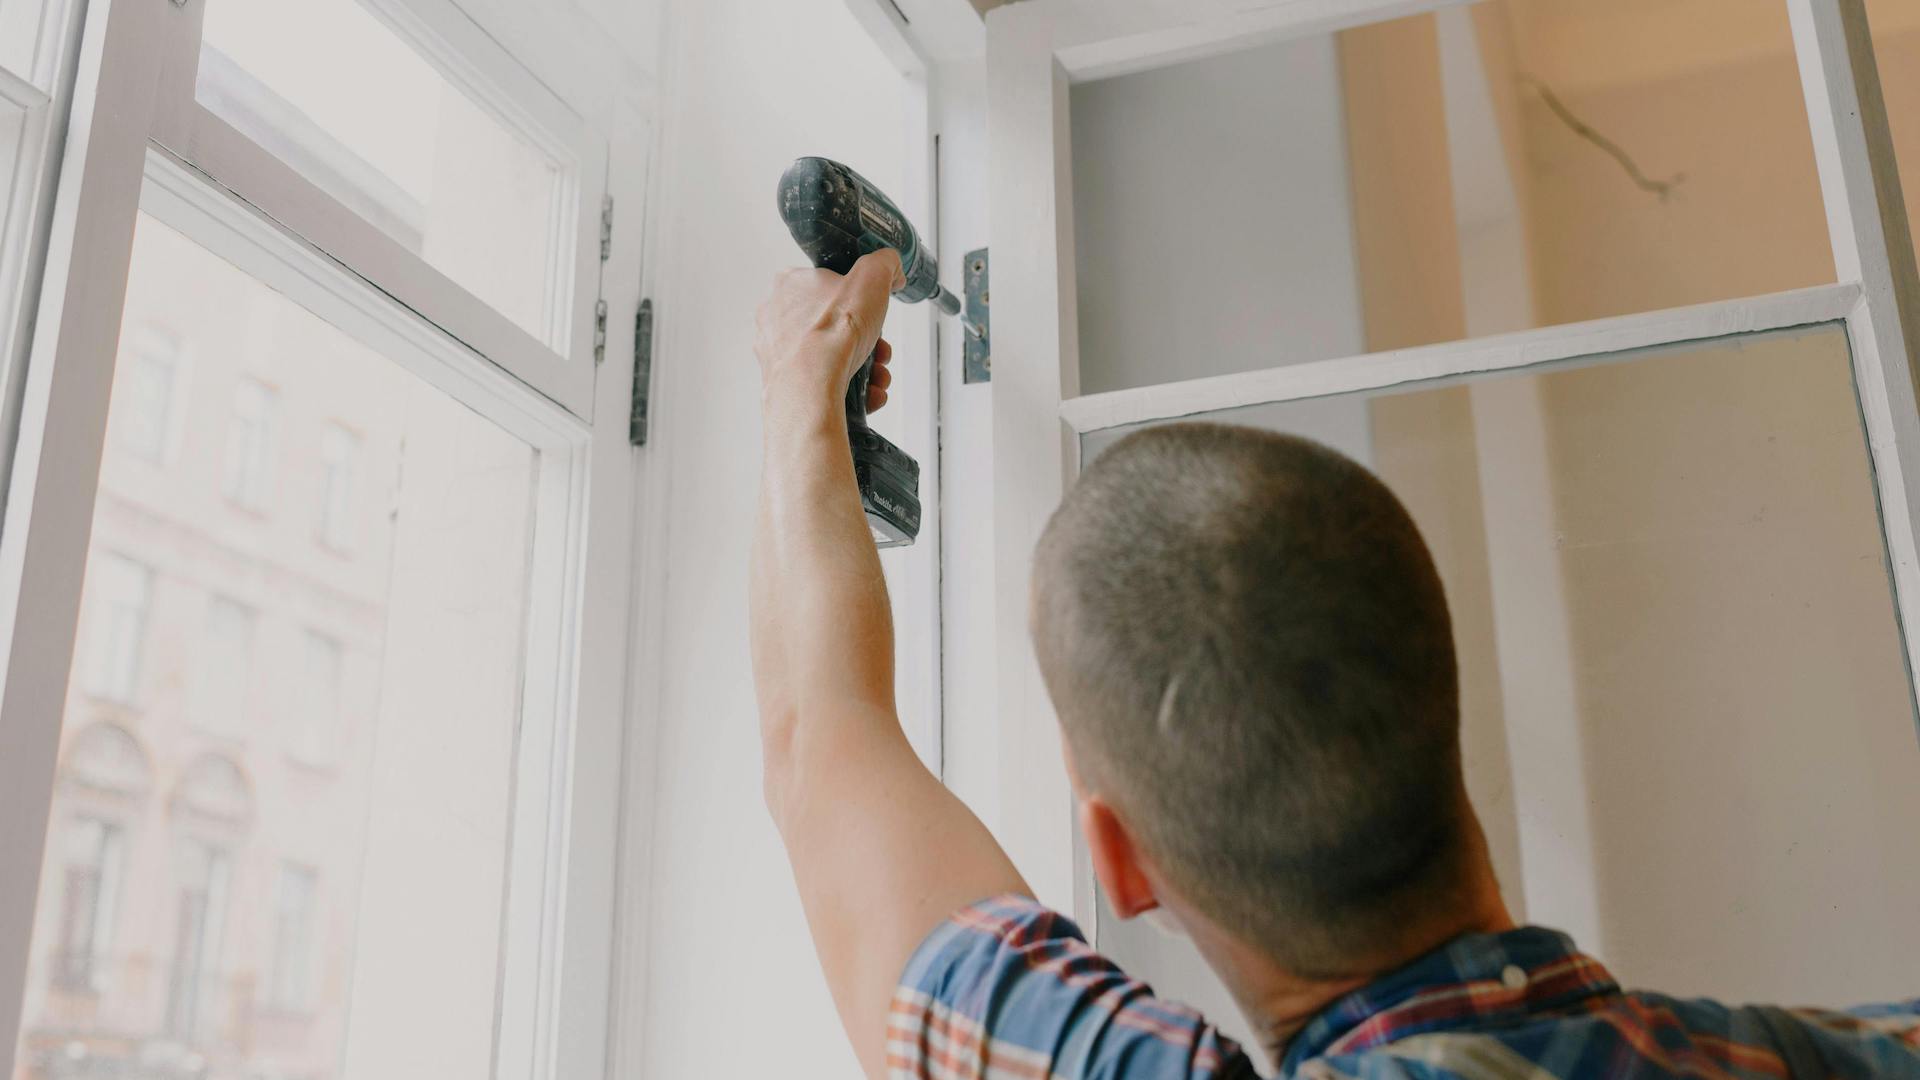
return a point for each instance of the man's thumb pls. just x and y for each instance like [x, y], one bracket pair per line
[883, 264]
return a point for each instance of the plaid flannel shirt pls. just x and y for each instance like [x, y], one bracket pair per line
[1008, 990]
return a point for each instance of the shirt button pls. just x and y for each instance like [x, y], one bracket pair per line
[1513, 977]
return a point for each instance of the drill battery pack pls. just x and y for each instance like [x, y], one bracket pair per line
[889, 488]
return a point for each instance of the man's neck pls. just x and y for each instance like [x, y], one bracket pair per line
[1279, 1003]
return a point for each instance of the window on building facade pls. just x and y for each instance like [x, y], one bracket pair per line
[250, 445]
[197, 988]
[319, 735]
[153, 370]
[339, 451]
[288, 883]
[225, 665]
[290, 980]
[95, 854]
[122, 590]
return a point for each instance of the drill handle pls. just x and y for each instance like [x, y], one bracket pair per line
[857, 394]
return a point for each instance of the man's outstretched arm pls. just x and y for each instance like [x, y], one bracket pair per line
[881, 851]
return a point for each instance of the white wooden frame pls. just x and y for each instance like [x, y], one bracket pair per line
[560, 362]
[132, 146]
[1036, 50]
[42, 95]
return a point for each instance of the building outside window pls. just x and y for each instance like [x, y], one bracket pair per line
[153, 370]
[318, 738]
[122, 592]
[95, 854]
[250, 445]
[226, 655]
[289, 985]
[339, 451]
[200, 916]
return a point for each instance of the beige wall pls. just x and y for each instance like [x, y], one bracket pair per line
[1744, 733]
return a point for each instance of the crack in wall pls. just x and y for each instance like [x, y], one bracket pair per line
[1661, 188]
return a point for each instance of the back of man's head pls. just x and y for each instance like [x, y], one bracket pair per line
[1249, 650]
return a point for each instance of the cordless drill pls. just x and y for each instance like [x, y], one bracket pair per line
[836, 216]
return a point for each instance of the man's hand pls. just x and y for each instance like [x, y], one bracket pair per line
[819, 327]
[881, 852]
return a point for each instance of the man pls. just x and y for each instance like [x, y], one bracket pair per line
[1249, 651]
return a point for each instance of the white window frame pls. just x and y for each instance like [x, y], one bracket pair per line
[1035, 51]
[138, 141]
[43, 94]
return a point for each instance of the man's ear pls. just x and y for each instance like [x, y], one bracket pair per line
[1116, 859]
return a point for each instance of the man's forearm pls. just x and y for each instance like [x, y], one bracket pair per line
[823, 626]
[881, 852]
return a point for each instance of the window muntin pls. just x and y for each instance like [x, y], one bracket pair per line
[385, 693]
[399, 144]
[121, 591]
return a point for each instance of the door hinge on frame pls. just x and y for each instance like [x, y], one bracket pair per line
[599, 331]
[606, 227]
[642, 375]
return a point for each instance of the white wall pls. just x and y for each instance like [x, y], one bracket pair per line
[751, 84]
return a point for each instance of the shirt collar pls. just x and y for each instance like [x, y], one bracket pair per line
[1474, 979]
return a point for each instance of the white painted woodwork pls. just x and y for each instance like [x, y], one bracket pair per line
[134, 94]
[1501, 352]
[724, 899]
[56, 465]
[1035, 367]
[969, 737]
[1095, 39]
[278, 190]
[1069, 40]
[1872, 245]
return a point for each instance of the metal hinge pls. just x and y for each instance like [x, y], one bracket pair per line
[642, 374]
[606, 227]
[599, 331]
[977, 355]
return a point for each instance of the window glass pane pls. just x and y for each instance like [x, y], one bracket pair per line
[397, 142]
[1896, 42]
[29, 33]
[1686, 718]
[285, 784]
[1492, 167]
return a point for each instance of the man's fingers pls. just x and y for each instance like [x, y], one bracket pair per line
[882, 351]
[880, 377]
[876, 398]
